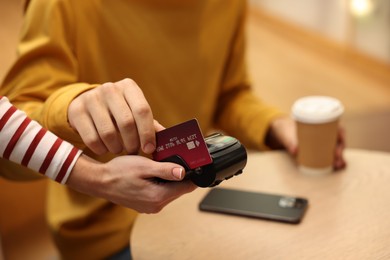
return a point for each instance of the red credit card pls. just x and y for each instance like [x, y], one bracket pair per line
[184, 140]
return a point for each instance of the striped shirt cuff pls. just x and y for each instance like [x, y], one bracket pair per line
[25, 142]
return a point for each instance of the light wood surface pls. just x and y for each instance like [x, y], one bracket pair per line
[348, 216]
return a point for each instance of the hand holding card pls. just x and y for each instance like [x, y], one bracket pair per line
[208, 161]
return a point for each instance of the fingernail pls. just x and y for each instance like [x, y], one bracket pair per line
[149, 148]
[178, 173]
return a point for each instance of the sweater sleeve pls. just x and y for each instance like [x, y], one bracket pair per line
[25, 142]
[43, 80]
[237, 102]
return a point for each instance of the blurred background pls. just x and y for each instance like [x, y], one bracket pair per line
[339, 48]
[360, 24]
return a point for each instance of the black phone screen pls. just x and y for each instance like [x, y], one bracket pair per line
[255, 204]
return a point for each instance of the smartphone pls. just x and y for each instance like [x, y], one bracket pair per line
[267, 206]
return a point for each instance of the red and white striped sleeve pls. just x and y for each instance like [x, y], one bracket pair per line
[24, 141]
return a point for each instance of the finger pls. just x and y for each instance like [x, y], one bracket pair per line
[173, 190]
[168, 192]
[180, 188]
[157, 126]
[339, 162]
[124, 120]
[89, 135]
[341, 138]
[105, 126]
[142, 114]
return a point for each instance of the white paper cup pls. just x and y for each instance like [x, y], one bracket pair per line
[317, 119]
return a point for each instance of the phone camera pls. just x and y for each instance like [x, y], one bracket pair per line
[287, 202]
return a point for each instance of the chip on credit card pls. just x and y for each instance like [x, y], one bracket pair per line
[184, 140]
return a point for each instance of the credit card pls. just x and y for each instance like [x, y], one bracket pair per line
[184, 140]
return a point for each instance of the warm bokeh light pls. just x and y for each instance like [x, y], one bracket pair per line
[361, 7]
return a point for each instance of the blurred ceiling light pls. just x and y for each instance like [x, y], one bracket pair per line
[361, 7]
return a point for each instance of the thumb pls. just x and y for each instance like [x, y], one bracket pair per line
[170, 172]
[292, 148]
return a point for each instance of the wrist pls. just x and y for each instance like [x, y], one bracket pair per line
[87, 176]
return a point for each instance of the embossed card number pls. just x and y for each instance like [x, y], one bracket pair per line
[184, 140]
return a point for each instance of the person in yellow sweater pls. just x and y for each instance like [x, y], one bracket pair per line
[186, 56]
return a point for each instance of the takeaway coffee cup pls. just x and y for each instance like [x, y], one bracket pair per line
[317, 119]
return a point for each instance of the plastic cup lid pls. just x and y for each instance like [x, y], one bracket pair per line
[317, 109]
